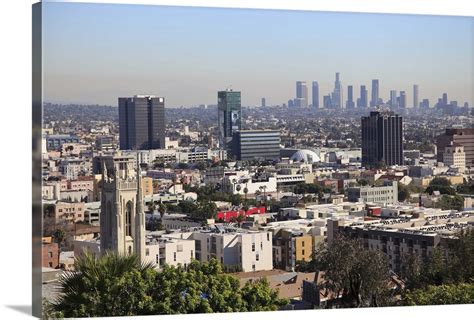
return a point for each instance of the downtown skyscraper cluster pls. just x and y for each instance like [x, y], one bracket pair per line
[335, 99]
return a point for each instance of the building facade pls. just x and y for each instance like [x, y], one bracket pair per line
[229, 115]
[142, 122]
[350, 98]
[54, 142]
[50, 253]
[455, 156]
[315, 94]
[415, 96]
[393, 99]
[403, 100]
[362, 101]
[375, 93]
[301, 94]
[462, 137]
[256, 144]
[419, 235]
[382, 139]
[169, 251]
[290, 247]
[337, 97]
[386, 194]
[247, 250]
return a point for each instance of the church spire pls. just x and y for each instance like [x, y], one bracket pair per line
[105, 174]
[140, 214]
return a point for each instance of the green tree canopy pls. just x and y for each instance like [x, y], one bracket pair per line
[445, 294]
[114, 285]
[303, 188]
[403, 192]
[448, 202]
[451, 264]
[206, 210]
[182, 165]
[358, 274]
[466, 188]
[162, 209]
[440, 181]
[442, 185]
[188, 206]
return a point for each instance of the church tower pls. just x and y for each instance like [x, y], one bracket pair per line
[122, 217]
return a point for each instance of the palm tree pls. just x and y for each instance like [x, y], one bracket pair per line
[152, 206]
[59, 236]
[97, 276]
[246, 190]
[264, 188]
[257, 193]
[240, 219]
[162, 209]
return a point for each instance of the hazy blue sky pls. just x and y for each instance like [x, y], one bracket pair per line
[94, 53]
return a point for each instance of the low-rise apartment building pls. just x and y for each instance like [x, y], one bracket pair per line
[63, 211]
[163, 251]
[50, 253]
[419, 233]
[386, 194]
[290, 247]
[241, 249]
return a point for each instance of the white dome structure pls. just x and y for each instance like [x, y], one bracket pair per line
[306, 156]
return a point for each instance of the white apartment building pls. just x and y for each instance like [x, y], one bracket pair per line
[386, 194]
[149, 156]
[249, 250]
[169, 251]
[72, 168]
[178, 221]
[287, 167]
[326, 210]
[174, 154]
[159, 250]
[455, 156]
[253, 186]
[51, 191]
[283, 179]
[237, 181]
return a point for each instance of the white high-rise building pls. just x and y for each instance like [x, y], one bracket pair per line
[315, 95]
[301, 94]
[393, 98]
[415, 96]
[336, 98]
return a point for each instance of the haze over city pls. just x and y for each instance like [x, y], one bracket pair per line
[94, 53]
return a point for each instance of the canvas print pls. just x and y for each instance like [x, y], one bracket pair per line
[209, 160]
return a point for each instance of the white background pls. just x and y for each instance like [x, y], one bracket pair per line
[15, 173]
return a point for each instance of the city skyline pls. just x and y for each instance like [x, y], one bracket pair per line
[86, 61]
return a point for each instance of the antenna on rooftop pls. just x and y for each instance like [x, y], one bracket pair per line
[229, 88]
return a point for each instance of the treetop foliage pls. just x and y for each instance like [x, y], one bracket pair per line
[116, 285]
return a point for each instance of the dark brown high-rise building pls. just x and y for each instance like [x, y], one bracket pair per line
[142, 123]
[382, 139]
[463, 137]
